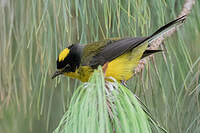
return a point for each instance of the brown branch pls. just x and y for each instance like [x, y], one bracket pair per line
[185, 11]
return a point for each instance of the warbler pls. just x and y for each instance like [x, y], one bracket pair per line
[122, 55]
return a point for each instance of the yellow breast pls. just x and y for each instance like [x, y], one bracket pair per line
[83, 73]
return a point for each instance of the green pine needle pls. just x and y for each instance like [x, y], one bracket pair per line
[96, 107]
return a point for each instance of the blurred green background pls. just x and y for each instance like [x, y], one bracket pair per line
[33, 32]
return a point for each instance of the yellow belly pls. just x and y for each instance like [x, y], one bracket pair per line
[121, 68]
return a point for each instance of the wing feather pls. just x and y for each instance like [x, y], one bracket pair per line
[114, 49]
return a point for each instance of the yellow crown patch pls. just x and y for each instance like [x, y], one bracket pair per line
[63, 54]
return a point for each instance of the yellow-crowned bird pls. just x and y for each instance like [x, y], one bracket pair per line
[121, 55]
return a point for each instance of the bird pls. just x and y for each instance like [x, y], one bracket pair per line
[120, 55]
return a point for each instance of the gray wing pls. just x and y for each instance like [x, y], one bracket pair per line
[115, 48]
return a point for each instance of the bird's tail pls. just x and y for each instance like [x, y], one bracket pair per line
[164, 29]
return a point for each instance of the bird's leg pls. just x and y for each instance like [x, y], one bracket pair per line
[104, 68]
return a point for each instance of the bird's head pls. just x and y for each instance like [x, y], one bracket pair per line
[68, 60]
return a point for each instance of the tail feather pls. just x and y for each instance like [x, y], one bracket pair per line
[166, 28]
[150, 52]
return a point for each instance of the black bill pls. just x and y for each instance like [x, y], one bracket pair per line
[56, 74]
